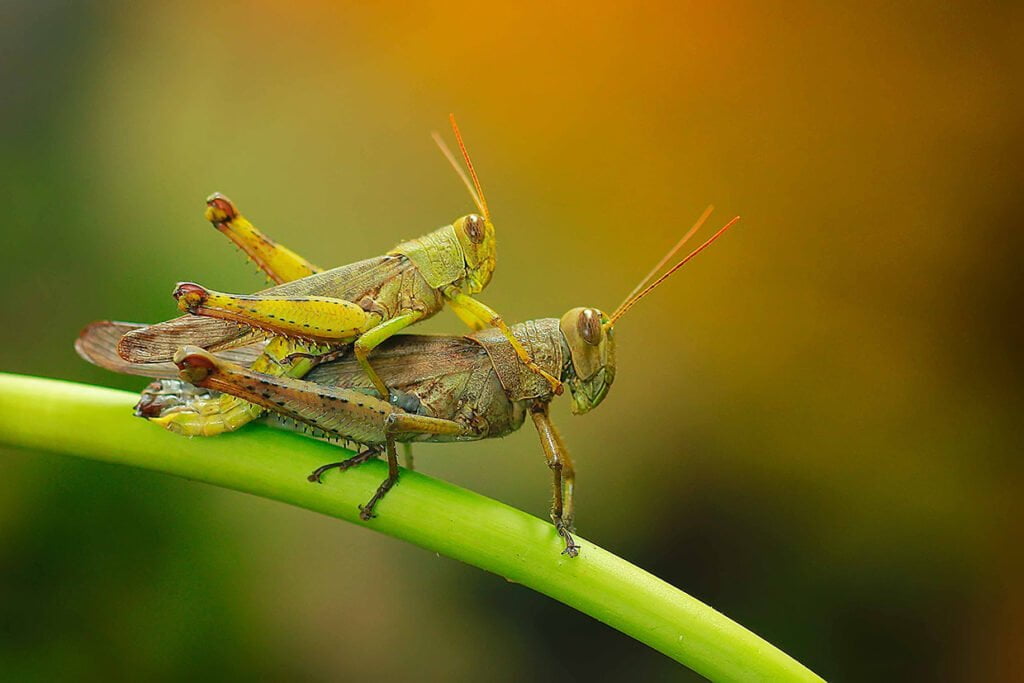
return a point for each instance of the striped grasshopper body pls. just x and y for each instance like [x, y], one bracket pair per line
[443, 388]
[311, 313]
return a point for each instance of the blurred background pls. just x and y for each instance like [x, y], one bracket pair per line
[815, 426]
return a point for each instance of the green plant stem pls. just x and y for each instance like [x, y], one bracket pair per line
[96, 423]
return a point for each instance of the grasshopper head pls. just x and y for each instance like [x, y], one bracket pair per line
[588, 334]
[475, 231]
[476, 235]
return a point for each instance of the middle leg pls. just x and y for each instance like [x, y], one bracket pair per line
[373, 338]
[401, 423]
[357, 459]
[563, 507]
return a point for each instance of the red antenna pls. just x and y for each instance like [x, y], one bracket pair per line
[475, 190]
[633, 299]
[472, 171]
[671, 252]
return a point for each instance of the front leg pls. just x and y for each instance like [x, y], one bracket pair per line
[471, 321]
[280, 263]
[469, 310]
[563, 507]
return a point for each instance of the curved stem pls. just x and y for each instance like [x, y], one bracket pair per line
[96, 423]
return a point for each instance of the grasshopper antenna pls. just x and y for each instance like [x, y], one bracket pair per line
[632, 300]
[671, 252]
[475, 190]
[469, 164]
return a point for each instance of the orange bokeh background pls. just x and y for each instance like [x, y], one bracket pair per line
[814, 427]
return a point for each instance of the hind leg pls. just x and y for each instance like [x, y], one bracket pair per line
[184, 410]
[313, 318]
[563, 507]
[278, 262]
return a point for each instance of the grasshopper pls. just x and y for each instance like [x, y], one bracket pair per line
[447, 388]
[312, 314]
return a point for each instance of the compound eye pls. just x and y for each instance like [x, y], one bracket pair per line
[475, 228]
[589, 326]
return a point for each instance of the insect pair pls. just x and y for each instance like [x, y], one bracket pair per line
[301, 351]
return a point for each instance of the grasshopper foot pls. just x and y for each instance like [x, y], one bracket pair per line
[571, 549]
[366, 511]
[357, 459]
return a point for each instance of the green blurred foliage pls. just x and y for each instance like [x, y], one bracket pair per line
[815, 426]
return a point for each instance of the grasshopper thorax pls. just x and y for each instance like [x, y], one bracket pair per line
[591, 367]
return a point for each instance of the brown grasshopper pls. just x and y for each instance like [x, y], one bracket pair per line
[312, 313]
[447, 388]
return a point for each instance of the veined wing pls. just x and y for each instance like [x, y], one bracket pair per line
[406, 362]
[97, 343]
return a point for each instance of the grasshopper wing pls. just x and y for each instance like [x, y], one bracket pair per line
[407, 361]
[153, 344]
[97, 343]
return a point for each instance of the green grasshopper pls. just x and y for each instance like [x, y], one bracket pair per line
[313, 313]
[446, 388]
